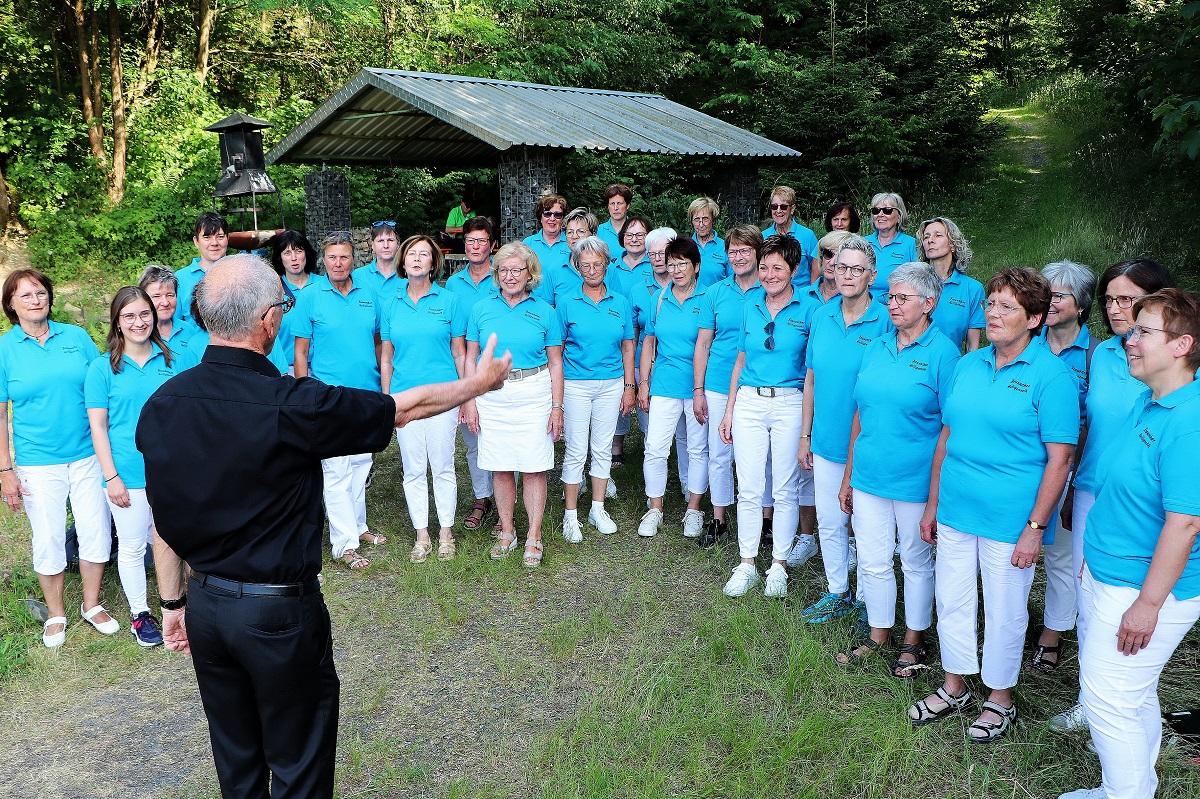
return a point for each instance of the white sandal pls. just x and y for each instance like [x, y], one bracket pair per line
[106, 627]
[55, 640]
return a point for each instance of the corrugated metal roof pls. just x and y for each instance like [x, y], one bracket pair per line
[389, 117]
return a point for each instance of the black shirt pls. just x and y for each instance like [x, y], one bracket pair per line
[233, 463]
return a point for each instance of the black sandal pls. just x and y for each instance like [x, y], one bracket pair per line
[916, 650]
[859, 652]
[1039, 664]
[921, 714]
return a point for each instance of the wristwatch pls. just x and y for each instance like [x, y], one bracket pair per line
[1036, 526]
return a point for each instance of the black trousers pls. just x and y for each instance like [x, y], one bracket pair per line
[270, 691]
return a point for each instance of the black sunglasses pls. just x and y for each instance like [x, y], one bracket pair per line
[770, 331]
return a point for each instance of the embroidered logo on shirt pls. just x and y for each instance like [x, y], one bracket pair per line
[365, 304]
[956, 302]
[863, 341]
[533, 316]
[1146, 437]
[614, 313]
[920, 366]
[796, 323]
[1017, 385]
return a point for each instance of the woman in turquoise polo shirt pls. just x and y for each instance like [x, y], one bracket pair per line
[518, 423]
[782, 206]
[959, 313]
[839, 334]
[762, 416]
[294, 259]
[43, 365]
[161, 285]
[666, 388]
[117, 386]
[714, 263]
[902, 384]
[1141, 582]
[1111, 392]
[423, 328]
[633, 266]
[550, 246]
[599, 386]
[1011, 420]
[892, 245]
[617, 198]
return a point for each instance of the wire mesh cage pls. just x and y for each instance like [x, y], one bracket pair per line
[326, 204]
[524, 177]
[738, 195]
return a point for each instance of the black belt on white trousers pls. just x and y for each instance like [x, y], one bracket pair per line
[256, 589]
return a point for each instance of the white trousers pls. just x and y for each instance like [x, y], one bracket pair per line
[1063, 560]
[831, 523]
[428, 445]
[346, 499]
[623, 424]
[962, 560]
[878, 524]
[590, 411]
[49, 488]
[720, 454]
[1084, 501]
[767, 428]
[1120, 692]
[135, 530]
[481, 479]
[665, 416]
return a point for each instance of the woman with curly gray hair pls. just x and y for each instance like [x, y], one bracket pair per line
[959, 313]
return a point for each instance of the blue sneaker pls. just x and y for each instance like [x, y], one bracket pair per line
[828, 607]
[145, 630]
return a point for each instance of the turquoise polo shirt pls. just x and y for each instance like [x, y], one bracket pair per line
[123, 396]
[642, 299]
[899, 396]
[285, 342]
[724, 306]
[901, 250]
[592, 333]
[192, 352]
[557, 282]
[1153, 471]
[781, 366]
[834, 354]
[549, 255]
[188, 277]
[622, 279]
[181, 335]
[1074, 357]
[610, 236]
[368, 276]
[675, 327]
[341, 333]
[421, 333]
[44, 382]
[960, 308]
[808, 246]
[714, 261]
[525, 330]
[468, 291]
[1000, 422]
[1111, 393]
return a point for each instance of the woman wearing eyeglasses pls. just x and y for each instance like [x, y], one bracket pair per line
[959, 313]
[714, 263]
[892, 245]
[825, 287]
[633, 266]
[1141, 584]
[1111, 391]
[43, 366]
[551, 247]
[901, 388]
[666, 387]
[518, 423]
[782, 206]
[838, 338]
[1010, 422]
[117, 386]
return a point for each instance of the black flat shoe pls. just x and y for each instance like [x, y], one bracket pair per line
[712, 534]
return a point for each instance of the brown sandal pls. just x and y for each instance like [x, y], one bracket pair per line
[354, 561]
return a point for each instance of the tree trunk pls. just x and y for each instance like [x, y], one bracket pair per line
[205, 17]
[149, 65]
[95, 130]
[4, 204]
[97, 97]
[54, 53]
[116, 177]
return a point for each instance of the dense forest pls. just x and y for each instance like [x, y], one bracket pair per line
[103, 156]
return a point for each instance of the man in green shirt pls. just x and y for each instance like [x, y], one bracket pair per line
[459, 214]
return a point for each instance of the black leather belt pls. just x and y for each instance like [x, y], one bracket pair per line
[256, 589]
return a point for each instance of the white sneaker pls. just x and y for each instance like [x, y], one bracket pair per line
[852, 563]
[804, 547]
[610, 491]
[693, 523]
[599, 518]
[1085, 793]
[648, 527]
[1070, 720]
[776, 586]
[571, 532]
[745, 577]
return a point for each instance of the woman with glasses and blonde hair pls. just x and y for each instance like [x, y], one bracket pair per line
[959, 313]
[714, 263]
[518, 424]
[892, 245]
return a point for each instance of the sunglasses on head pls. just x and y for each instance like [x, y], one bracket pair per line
[383, 222]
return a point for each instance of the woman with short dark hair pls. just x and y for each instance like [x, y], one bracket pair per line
[617, 198]
[842, 217]
[550, 247]
[294, 260]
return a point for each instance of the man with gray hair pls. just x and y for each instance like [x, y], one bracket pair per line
[233, 459]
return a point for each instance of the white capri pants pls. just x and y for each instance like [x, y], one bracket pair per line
[962, 559]
[1063, 560]
[48, 489]
[513, 422]
[590, 410]
[878, 524]
[346, 499]
[1084, 500]
[1120, 692]
[481, 479]
[831, 523]
[644, 423]
[428, 444]
[135, 529]
[767, 427]
[665, 413]
[720, 462]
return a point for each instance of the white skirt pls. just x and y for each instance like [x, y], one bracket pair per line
[512, 426]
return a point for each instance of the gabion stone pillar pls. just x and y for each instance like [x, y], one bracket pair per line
[326, 204]
[525, 175]
[738, 195]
